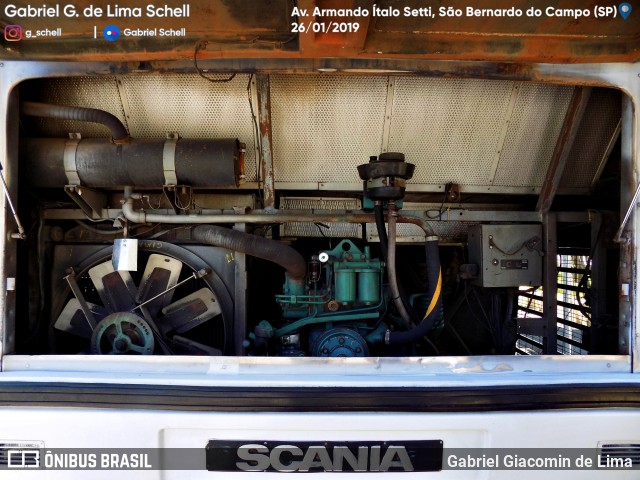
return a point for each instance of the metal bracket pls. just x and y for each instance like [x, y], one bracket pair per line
[90, 201]
[452, 192]
[69, 159]
[169, 159]
[180, 197]
[632, 206]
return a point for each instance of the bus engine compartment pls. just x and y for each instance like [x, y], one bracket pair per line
[318, 215]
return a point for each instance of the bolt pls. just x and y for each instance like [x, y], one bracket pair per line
[325, 350]
[120, 345]
[358, 350]
[341, 340]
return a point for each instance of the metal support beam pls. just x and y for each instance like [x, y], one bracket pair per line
[550, 284]
[564, 143]
[598, 281]
[627, 188]
[9, 108]
[266, 144]
[240, 296]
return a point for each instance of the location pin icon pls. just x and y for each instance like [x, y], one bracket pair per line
[624, 9]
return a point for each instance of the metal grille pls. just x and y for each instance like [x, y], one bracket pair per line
[352, 230]
[533, 130]
[589, 151]
[573, 315]
[324, 127]
[448, 127]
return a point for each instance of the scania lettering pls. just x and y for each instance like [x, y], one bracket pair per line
[368, 459]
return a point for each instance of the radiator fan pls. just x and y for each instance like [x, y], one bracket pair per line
[171, 301]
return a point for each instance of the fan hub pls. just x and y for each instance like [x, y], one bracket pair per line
[122, 333]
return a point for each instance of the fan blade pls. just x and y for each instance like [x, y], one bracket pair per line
[195, 348]
[116, 289]
[160, 274]
[189, 312]
[73, 321]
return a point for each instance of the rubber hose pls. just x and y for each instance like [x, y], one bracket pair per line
[434, 285]
[391, 270]
[378, 211]
[256, 246]
[93, 115]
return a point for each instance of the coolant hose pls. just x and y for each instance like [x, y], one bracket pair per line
[378, 211]
[391, 269]
[118, 130]
[256, 246]
[434, 285]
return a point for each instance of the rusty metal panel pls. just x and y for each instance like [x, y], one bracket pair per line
[262, 29]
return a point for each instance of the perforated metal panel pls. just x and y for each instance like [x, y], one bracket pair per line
[324, 127]
[537, 119]
[450, 128]
[478, 133]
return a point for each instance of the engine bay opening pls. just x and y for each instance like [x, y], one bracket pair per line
[316, 216]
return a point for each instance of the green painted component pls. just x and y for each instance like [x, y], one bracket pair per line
[293, 287]
[292, 327]
[346, 250]
[353, 279]
[377, 335]
[369, 286]
[265, 328]
[368, 204]
[345, 286]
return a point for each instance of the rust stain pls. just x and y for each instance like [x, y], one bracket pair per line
[243, 29]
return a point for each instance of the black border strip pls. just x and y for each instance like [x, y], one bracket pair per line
[320, 399]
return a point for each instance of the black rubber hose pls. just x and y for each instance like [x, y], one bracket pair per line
[434, 285]
[256, 246]
[378, 211]
[93, 115]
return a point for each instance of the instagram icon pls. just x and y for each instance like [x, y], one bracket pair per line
[12, 33]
